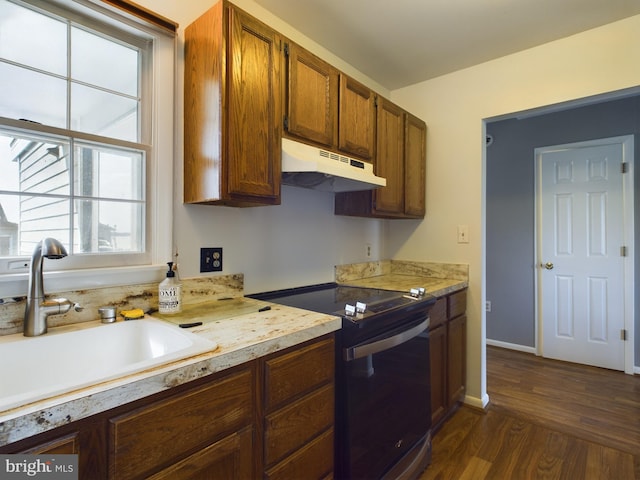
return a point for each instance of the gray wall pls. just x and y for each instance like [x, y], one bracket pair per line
[510, 206]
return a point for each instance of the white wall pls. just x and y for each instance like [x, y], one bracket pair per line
[293, 244]
[454, 106]
[300, 241]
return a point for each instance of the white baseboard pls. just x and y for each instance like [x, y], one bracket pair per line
[477, 402]
[511, 346]
[523, 348]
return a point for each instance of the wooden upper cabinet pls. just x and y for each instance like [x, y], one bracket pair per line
[233, 109]
[415, 166]
[401, 160]
[312, 97]
[389, 164]
[357, 116]
[328, 108]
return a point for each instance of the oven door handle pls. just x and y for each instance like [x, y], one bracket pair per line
[359, 351]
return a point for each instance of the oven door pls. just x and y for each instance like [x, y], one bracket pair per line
[384, 403]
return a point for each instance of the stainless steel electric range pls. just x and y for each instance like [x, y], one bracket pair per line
[383, 392]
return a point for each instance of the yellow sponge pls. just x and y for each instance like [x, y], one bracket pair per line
[132, 314]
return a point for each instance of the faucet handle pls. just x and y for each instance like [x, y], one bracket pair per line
[77, 307]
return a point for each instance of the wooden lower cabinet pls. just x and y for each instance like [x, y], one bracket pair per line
[439, 395]
[65, 445]
[168, 432]
[299, 412]
[230, 457]
[272, 417]
[457, 358]
[448, 344]
[312, 461]
[85, 438]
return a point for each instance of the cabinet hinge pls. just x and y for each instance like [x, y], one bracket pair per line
[623, 335]
[285, 123]
[286, 49]
[623, 251]
[623, 167]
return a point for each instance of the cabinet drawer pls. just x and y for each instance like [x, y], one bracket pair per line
[227, 458]
[293, 426]
[438, 313]
[66, 445]
[457, 303]
[161, 433]
[293, 374]
[313, 461]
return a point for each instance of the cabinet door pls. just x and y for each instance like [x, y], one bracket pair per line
[312, 97]
[390, 157]
[438, 354]
[457, 344]
[85, 438]
[254, 110]
[357, 118]
[204, 76]
[415, 167]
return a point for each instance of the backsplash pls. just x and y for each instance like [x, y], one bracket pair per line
[125, 297]
[355, 271]
[203, 289]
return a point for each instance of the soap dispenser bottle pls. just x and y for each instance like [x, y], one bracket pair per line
[170, 293]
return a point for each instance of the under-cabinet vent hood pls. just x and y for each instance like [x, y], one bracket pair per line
[312, 167]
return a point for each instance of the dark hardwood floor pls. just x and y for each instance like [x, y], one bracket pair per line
[546, 420]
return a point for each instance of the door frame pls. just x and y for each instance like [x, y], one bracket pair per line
[627, 142]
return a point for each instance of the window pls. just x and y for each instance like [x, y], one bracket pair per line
[81, 142]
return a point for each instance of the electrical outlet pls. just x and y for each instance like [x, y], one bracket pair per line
[211, 259]
[487, 306]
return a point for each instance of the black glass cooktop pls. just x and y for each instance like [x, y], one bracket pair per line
[331, 298]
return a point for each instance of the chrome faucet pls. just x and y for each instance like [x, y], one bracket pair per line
[38, 309]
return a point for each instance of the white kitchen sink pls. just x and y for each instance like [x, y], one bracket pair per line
[76, 356]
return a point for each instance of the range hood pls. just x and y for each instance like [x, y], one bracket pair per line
[318, 169]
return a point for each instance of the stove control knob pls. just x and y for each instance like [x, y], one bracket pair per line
[361, 307]
[417, 292]
[349, 310]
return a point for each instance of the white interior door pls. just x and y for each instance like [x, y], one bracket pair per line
[582, 229]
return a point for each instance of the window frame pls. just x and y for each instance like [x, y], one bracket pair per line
[157, 135]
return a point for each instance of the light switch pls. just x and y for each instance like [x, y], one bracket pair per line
[463, 233]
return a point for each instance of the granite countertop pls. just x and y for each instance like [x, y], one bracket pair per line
[240, 330]
[438, 279]
[437, 287]
[242, 333]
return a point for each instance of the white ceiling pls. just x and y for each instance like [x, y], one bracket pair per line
[402, 42]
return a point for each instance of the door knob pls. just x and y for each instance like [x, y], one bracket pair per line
[548, 265]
